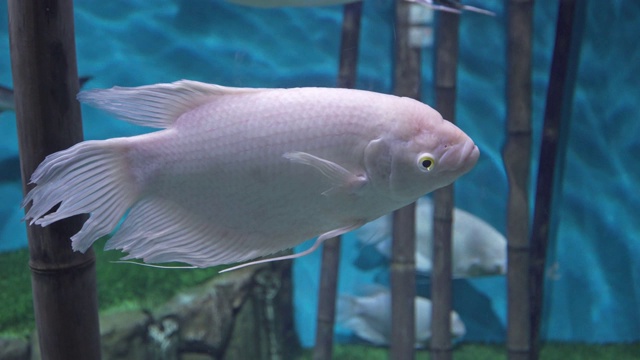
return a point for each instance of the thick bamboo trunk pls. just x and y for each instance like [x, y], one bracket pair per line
[552, 152]
[323, 349]
[445, 75]
[517, 159]
[46, 82]
[402, 269]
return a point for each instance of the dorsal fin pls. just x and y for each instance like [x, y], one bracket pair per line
[156, 105]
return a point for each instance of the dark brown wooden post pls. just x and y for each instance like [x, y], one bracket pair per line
[323, 349]
[517, 159]
[445, 75]
[403, 269]
[552, 150]
[45, 79]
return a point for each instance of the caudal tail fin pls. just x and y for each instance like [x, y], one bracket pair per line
[91, 177]
[346, 308]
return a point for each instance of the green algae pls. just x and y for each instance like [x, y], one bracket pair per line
[473, 351]
[127, 286]
[119, 286]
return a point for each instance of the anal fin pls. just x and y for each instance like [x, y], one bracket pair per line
[157, 230]
[314, 247]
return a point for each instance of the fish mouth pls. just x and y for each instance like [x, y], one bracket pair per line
[471, 153]
[461, 157]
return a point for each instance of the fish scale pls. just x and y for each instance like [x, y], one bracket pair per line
[239, 173]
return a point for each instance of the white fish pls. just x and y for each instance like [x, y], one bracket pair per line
[478, 248]
[369, 317]
[6, 99]
[452, 6]
[290, 3]
[239, 173]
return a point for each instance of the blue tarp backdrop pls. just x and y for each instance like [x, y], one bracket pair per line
[593, 278]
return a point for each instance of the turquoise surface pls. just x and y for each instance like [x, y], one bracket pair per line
[593, 280]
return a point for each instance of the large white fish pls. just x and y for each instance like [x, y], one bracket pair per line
[478, 248]
[369, 317]
[239, 173]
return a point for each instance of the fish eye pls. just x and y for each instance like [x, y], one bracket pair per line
[426, 162]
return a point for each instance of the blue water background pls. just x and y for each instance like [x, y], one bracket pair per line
[593, 283]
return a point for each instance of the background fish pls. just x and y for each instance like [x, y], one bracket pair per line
[452, 6]
[6, 99]
[239, 173]
[369, 317]
[478, 248]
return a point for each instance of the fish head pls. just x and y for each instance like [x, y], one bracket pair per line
[492, 258]
[421, 152]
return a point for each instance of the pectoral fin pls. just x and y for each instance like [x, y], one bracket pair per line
[340, 177]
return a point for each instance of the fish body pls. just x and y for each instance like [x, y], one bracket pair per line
[238, 173]
[369, 317]
[478, 248]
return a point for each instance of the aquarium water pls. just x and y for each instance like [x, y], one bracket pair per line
[593, 272]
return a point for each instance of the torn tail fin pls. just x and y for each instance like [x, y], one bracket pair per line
[346, 308]
[91, 177]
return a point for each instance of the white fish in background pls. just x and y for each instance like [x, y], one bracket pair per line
[369, 317]
[239, 173]
[290, 3]
[6, 99]
[452, 6]
[478, 248]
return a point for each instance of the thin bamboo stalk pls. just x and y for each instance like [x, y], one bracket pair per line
[445, 75]
[331, 250]
[552, 151]
[45, 77]
[323, 349]
[402, 268]
[517, 158]
[349, 43]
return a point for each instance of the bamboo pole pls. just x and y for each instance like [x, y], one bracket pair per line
[403, 268]
[552, 151]
[46, 82]
[323, 349]
[517, 157]
[445, 76]
[349, 43]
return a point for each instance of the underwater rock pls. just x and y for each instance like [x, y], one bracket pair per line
[206, 314]
[264, 327]
[123, 334]
[163, 339]
[243, 314]
[14, 349]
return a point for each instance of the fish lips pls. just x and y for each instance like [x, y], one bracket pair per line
[461, 158]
